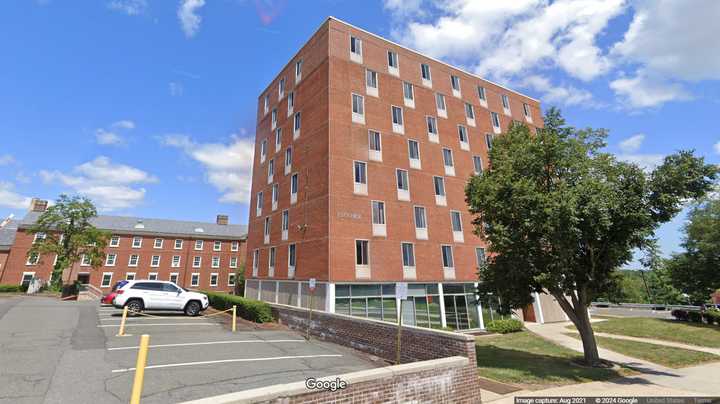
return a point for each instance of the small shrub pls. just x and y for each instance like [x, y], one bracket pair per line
[695, 316]
[10, 288]
[712, 316]
[681, 315]
[252, 310]
[505, 326]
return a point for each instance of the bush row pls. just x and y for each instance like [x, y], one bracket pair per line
[12, 288]
[505, 326]
[710, 316]
[252, 310]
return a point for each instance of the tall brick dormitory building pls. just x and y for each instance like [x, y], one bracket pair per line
[194, 255]
[363, 149]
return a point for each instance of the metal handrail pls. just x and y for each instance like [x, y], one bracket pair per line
[658, 306]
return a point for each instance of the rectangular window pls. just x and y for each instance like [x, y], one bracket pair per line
[256, 262]
[266, 104]
[114, 241]
[356, 45]
[174, 277]
[33, 259]
[195, 279]
[456, 222]
[281, 88]
[152, 276]
[480, 255]
[440, 102]
[178, 244]
[292, 259]
[231, 280]
[469, 111]
[360, 172]
[175, 261]
[285, 222]
[495, 119]
[296, 125]
[425, 72]
[462, 134]
[439, 186]
[197, 261]
[371, 79]
[432, 125]
[106, 279]
[158, 243]
[455, 82]
[378, 212]
[481, 93]
[133, 261]
[215, 263]
[488, 140]
[213, 279]
[155, 261]
[275, 194]
[198, 245]
[234, 245]
[361, 252]
[266, 229]
[137, 242]
[408, 92]
[477, 165]
[288, 159]
[291, 101]
[447, 256]
[402, 180]
[217, 245]
[271, 259]
[358, 109]
[85, 261]
[526, 109]
[392, 59]
[294, 184]
[39, 236]
[397, 115]
[278, 139]
[413, 150]
[408, 254]
[263, 150]
[447, 157]
[420, 221]
[271, 170]
[374, 140]
[233, 262]
[110, 260]
[273, 120]
[505, 101]
[298, 69]
[259, 204]
[130, 276]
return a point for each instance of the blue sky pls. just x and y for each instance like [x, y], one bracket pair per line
[148, 107]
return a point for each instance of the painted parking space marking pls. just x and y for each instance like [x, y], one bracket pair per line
[275, 358]
[249, 341]
[152, 318]
[154, 324]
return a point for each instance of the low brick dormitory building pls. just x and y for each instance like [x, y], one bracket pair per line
[195, 255]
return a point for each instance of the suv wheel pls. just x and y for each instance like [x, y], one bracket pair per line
[192, 308]
[134, 306]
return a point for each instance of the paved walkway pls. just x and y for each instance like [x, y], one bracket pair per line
[715, 351]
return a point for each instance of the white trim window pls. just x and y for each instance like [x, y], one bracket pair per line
[266, 104]
[448, 261]
[130, 276]
[285, 224]
[294, 188]
[441, 105]
[457, 230]
[506, 104]
[362, 259]
[425, 75]
[155, 261]
[33, 259]
[397, 119]
[296, 125]
[199, 244]
[259, 204]
[482, 96]
[175, 263]
[408, 260]
[215, 262]
[356, 53]
[371, 82]
[393, 63]
[152, 276]
[133, 260]
[106, 280]
[214, 279]
[233, 262]
[114, 241]
[527, 112]
[432, 129]
[463, 138]
[421, 228]
[281, 88]
[255, 263]
[234, 245]
[110, 260]
[480, 256]
[469, 114]
[178, 244]
[448, 162]
[271, 171]
[195, 279]
[414, 154]
[488, 141]
[288, 160]
[291, 103]
[358, 108]
[455, 84]
[477, 165]
[197, 261]
[217, 245]
[275, 196]
[292, 260]
[374, 145]
[266, 230]
[360, 178]
[263, 150]
[495, 120]
[85, 260]
[158, 243]
[231, 279]
[271, 262]
[403, 184]
[273, 119]
[27, 277]
[39, 237]
[439, 185]
[408, 95]
[377, 209]
[137, 242]
[174, 276]
[298, 70]
[278, 139]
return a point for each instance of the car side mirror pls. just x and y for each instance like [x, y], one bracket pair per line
[179, 291]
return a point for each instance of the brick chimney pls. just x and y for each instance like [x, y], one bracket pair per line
[38, 205]
[222, 219]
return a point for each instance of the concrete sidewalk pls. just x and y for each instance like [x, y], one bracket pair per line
[715, 351]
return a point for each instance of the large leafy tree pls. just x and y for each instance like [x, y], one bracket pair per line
[696, 271]
[69, 234]
[561, 216]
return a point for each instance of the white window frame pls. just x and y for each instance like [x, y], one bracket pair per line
[457, 234]
[414, 161]
[285, 224]
[506, 104]
[137, 242]
[152, 276]
[298, 70]
[259, 204]
[449, 169]
[33, 259]
[455, 91]
[114, 241]
[397, 127]
[495, 122]
[294, 179]
[394, 70]
[297, 124]
[477, 256]
[157, 245]
[488, 141]
[234, 245]
[463, 138]
[103, 283]
[136, 260]
[130, 276]
[110, 262]
[374, 154]
[233, 262]
[440, 199]
[199, 245]
[470, 114]
[379, 229]
[409, 271]
[482, 96]
[360, 188]
[85, 260]
[290, 103]
[267, 224]
[402, 194]
[292, 253]
[448, 271]
[362, 270]
[263, 150]
[217, 245]
[278, 139]
[272, 258]
[356, 55]
[266, 104]
[255, 263]
[281, 88]
[175, 275]
[370, 77]
[197, 261]
[408, 102]
[195, 279]
[175, 263]
[31, 274]
[441, 112]
[271, 171]
[288, 160]
[421, 233]
[176, 246]
[358, 116]
[231, 279]
[154, 264]
[426, 81]
[273, 119]
[477, 159]
[215, 261]
[432, 129]
[527, 112]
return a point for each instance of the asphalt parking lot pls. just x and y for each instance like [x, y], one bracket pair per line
[52, 351]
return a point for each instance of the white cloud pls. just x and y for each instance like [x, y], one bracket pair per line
[645, 161]
[632, 143]
[6, 159]
[176, 89]
[110, 186]
[187, 14]
[405, 8]
[111, 137]
[228, 166]
[124, 124]
[717, 147]
[557, 94]
[129, 7]
[11, 199]
[644, 91]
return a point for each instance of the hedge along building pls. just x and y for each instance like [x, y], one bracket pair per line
[362, 152]
[196, 255]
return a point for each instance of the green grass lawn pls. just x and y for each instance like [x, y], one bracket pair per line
[667, 330]
[663, 355]
[525, 359]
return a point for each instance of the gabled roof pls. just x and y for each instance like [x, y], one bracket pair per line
[7, 234]
[141, 225]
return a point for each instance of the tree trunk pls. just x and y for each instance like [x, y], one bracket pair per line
[578, 314]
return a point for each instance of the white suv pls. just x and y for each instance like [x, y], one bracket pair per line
[159, 295]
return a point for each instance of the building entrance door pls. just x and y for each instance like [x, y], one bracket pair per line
[84, 278]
